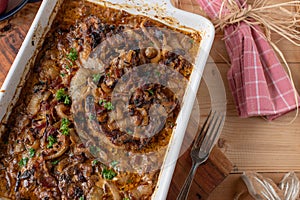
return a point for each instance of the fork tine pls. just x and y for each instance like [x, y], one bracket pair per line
[202, 147]
[204, 127]
[213, 132]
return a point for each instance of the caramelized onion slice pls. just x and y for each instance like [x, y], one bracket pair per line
[60, 110]
[63, 148]
[113, 188]
[59, 153]
[95, 194]
[34, 104]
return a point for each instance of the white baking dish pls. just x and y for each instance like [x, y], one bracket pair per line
[162, 8]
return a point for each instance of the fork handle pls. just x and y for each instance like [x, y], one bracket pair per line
[188, 182]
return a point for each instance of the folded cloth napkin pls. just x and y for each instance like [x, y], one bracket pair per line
[258, 82]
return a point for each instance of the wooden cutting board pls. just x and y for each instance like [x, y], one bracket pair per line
[209, 175]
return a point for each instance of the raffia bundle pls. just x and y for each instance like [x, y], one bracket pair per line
[282, 18]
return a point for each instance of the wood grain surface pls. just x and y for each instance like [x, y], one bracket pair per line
[12, 34]
[210, 175]
[253, 144]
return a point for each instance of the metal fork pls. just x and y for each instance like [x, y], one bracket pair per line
[202, 146]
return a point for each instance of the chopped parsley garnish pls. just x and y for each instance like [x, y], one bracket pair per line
[62, 74]
[64, 126]
[61, 95]
[94, 150]
[23, 162]
[151, 92]
[73, 55]
[81, 198]
[108, 174]
[101, 101]
[55, 162]
[31, 152]
[107, 105]
[172, 124]
[94, 162]
[114, 163]
[129, 132]
[92, 117]
[126, 198]
[51, 140]
[96, 78]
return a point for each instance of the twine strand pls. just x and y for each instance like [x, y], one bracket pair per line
[285, 22]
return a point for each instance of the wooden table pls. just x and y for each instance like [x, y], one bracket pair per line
[271, 148]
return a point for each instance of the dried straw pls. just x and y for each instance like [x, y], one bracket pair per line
[282, 18]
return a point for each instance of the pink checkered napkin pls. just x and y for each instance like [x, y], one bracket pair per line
[258, 82]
